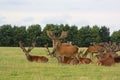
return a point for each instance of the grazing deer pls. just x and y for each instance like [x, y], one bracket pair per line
[30, 57]
[61, 50]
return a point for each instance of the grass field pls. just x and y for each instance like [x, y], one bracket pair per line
[14, 66]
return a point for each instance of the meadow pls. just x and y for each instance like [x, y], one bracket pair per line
[14, 66]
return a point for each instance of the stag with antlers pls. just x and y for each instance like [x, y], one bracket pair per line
[109, 57]
[32, 58]
[61, 50]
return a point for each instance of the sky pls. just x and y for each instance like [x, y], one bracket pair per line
[72, 12]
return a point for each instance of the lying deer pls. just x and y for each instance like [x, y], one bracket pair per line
[84, 60]
[106, 60]
[69, 60]
[30, 57]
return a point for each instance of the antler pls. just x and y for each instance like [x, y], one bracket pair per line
[21, 46]
[51, 34]
[46, 45]
[63, 35]
[30, 48]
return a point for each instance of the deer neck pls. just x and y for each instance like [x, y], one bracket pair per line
[28, 56]
[56, 48]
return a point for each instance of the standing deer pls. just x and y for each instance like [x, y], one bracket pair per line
[61, 50]
[30, 57]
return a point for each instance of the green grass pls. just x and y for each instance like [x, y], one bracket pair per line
[14, 66]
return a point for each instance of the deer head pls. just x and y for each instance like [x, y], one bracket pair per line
[26, 51]
[56, 39]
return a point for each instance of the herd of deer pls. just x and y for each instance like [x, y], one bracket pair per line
[68, 54]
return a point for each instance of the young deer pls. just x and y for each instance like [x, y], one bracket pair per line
[30, 57]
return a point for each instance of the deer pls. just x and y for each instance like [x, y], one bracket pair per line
[106, 60]
[93, 49]
[117, 59]
[67, 60]
[61, 50]
[108, 57]
[83, 60]
[32, 58]
[70, 60]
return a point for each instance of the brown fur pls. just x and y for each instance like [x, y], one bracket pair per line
[93, 49]
[62, 49]
[30, 57]
[117, 59]
[69, 60]
[66, 51]
[107, 60]
[85, 61]
[37, 59]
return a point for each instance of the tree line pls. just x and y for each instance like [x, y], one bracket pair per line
[82, 37]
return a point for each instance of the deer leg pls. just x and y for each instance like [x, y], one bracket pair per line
[91, 54]
[85, 54]
[76, 59]
[59, 59]
[62, 59]
[78, 56]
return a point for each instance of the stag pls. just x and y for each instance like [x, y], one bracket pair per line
[32, 58]
[55, 39]
[106, 60]
[61, 50]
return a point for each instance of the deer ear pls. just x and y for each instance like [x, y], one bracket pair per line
[50, 34]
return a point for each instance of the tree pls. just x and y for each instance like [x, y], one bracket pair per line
[20, 34]
[115, 37]
[6, 35]
[84, 36]
[57, 30]
[95, 35]
[104, 34]
[73, 35]
[34, 34]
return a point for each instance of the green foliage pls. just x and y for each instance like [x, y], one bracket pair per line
[72, 34]
[6, 35]
[104, 34]
[10, 36]
[95, 34]
[115, 37]
[85, 36]
[34, 34]
[20, 34]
